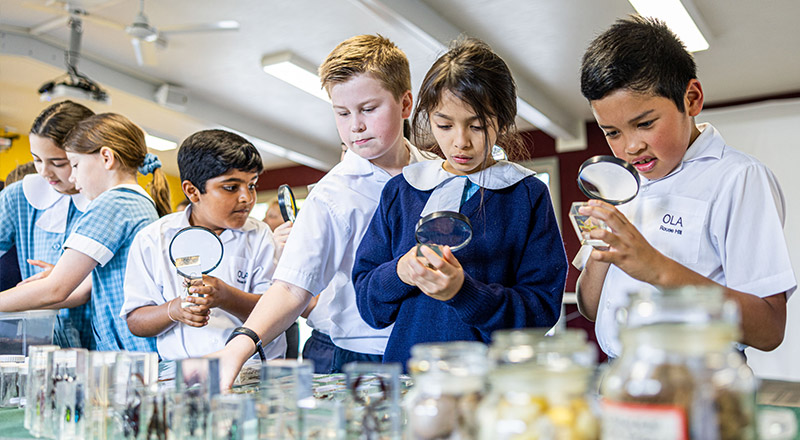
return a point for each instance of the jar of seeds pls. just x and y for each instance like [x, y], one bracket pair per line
[538, 387]
[679, 375]
[449, 381]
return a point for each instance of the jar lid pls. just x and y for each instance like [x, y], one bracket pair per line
[18, 358]
[563, 350]
[460, 358]
[688, 305]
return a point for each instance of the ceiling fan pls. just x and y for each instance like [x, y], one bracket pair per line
[144, 36]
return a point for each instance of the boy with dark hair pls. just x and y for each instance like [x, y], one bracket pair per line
[369, 82]
[219, 171]
[725, 210]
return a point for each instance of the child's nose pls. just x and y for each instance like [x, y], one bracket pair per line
[357, 125]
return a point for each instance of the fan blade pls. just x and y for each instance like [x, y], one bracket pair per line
[224, 25]
[137, 50]
[149, 54]
[49, 25]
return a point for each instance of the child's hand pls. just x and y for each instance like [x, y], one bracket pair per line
[194, 316]
[441, 278]
[628, 249]
[279, 237]
[43, 274]
[213, 290]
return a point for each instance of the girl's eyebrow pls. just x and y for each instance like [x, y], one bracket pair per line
[449, 118]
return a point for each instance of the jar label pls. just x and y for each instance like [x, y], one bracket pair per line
[624, 421]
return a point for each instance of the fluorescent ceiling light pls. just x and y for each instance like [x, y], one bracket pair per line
[677, 18]
[287, 67]
[160, 144]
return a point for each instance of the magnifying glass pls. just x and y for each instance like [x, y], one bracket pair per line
[194, 251]
[443, 228]
[605, 178]
[287, 203]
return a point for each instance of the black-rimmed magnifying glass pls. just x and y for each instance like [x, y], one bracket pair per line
[443, 228]
[605, 178]
[287, 203]
[194, 251]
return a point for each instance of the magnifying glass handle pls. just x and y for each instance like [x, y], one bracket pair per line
[187, 283]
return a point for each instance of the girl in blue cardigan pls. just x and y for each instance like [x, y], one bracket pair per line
[512, 273]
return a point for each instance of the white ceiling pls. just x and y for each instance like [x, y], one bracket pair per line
[754, 52]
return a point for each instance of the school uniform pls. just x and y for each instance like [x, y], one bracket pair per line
[37, 219]
[320, 251]
[514, 266]
[151, 279]
[720, 213]
[104, 233]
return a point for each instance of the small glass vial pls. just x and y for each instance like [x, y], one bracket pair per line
[39, 373]
[679, 374]
[449, 382]
[539, 387]
[9, 379]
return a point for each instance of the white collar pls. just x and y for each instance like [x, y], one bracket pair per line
[53, 204]
[355, 165]
[180, 220]
[448, 188]
[429, 174]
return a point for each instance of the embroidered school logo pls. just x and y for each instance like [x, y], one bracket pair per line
[241, 277]
[672, 224]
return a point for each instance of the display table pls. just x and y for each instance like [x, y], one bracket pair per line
[771, 392]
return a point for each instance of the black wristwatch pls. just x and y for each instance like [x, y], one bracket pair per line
[252, 335]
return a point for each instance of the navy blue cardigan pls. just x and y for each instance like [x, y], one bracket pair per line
[514, 268]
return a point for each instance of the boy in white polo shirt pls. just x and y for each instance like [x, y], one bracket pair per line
[218, 171]
[706, 214]
[369, 82]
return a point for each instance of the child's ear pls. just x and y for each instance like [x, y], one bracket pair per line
[408, 103]
[109, 159]
[191, 191]
[693, 98]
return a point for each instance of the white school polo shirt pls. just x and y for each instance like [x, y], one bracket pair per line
[151, 279]
[721, 214]
[320, 252]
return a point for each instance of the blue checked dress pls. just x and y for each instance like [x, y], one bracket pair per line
[105, 233]
[39, 233]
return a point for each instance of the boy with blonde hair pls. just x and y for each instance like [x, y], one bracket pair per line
[368, 80]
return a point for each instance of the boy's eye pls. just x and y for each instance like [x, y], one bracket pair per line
[368, 109]
[251, 187]
[230, 188]
[611, 134]
[646, 124]
[343, 113]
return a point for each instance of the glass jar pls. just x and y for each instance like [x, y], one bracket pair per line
[449, 381]
[679, 375]
[538, 387]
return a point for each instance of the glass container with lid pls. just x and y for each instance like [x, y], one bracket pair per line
[679, 375]
[538, 386]
[449, 381]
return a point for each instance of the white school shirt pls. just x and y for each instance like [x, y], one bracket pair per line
[321, 250]
[721, 214]
[151, 279]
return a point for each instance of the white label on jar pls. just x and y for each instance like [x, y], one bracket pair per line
[624, 421]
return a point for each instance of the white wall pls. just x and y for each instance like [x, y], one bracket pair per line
[770, 131]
